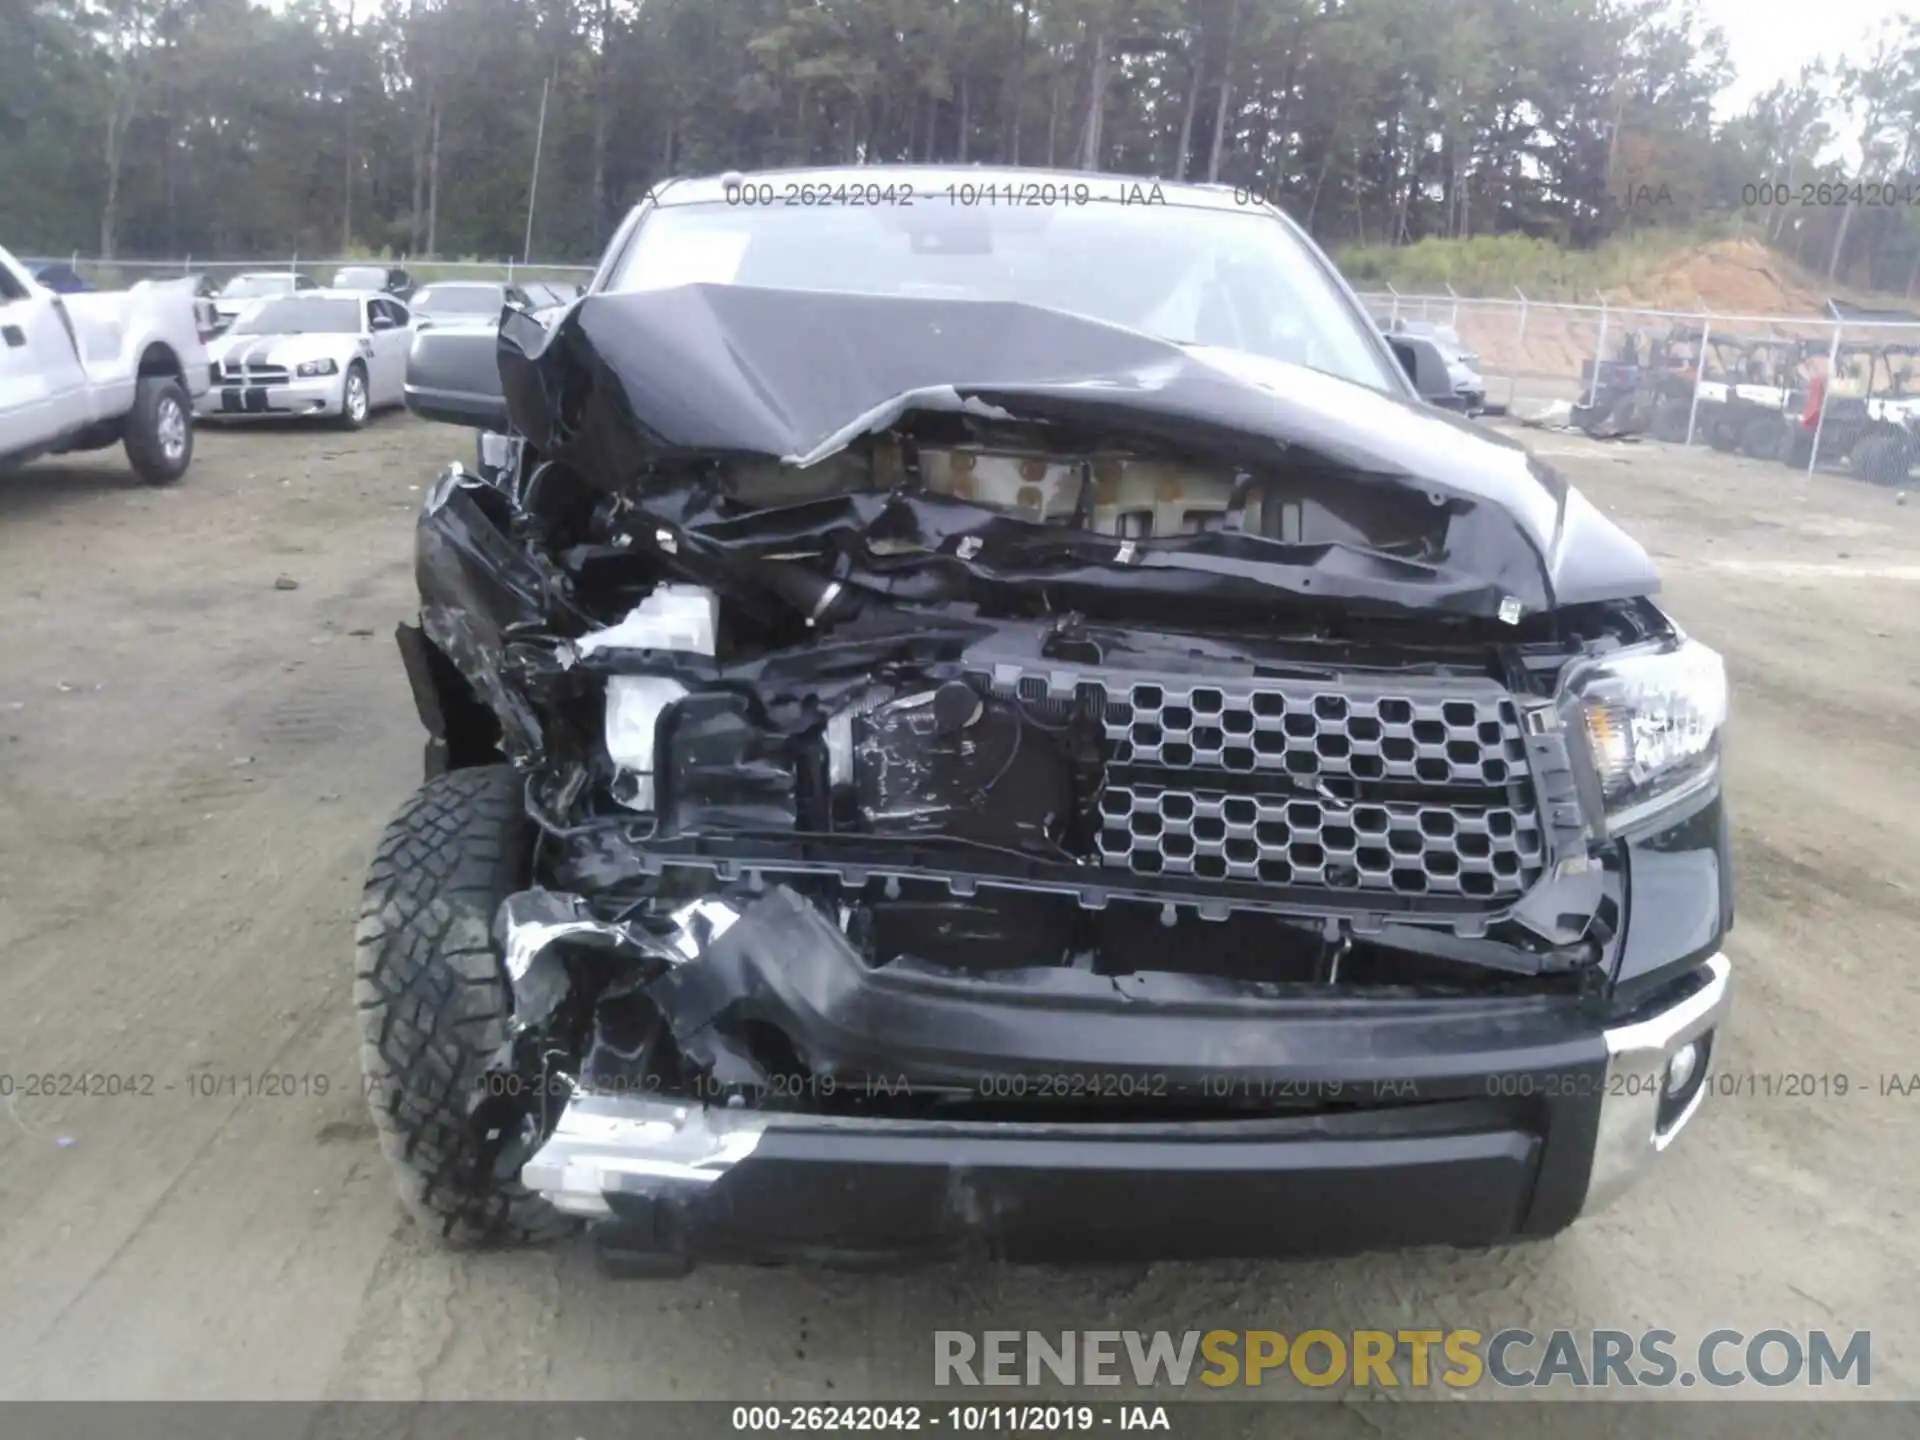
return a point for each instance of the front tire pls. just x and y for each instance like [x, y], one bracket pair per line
[433, 1002]
[1670, 419]
[1761, 437]
[355, 401]
[159, 434]
[1881, 459]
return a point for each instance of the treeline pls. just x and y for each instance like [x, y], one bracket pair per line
[223, 128]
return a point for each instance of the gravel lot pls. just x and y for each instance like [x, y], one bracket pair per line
[194, 763]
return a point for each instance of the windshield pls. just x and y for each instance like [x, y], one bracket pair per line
[461, 299]
[1239, 280]
[304, 315]
[360, 277]
[242, 286]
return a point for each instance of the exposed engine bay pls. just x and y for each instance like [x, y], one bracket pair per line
[1160, 682]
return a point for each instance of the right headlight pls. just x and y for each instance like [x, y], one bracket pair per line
[1652, 720]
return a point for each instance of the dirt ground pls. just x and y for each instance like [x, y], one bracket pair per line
[1740, 275]
[195, 761]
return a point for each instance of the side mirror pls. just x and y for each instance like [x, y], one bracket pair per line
[1427, 368]
[382, 322]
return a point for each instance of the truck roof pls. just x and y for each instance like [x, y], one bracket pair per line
[934, 179]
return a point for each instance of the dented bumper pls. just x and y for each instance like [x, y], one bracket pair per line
[673, 1184]
[1506, 1117]
[669, 1183]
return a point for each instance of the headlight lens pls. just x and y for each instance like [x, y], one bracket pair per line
[1653, 721]
[315, 367]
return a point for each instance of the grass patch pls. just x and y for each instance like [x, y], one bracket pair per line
[1499, 264]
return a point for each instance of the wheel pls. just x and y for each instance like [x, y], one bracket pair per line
[1670, 421]
[1881, 459]
[354, 403]
[1760, 437]
[1796, 447]
[1722, 433]
[433, 1003]
[159, 434]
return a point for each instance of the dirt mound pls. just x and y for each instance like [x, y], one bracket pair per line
[1736, 276]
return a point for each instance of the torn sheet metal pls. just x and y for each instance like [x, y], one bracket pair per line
[634, 1145]
[626, 381]
[480, 590]
[783, 962]
[530, 924]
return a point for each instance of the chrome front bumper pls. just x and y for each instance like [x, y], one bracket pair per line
[1638, 1119]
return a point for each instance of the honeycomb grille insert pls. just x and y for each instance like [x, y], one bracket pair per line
[1472, 741]
[1408, 794]
[1410, 849]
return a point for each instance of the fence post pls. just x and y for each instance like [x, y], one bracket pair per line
[1699, 373]
[1826, 399]
[1599, 357]
[1393, 311]
[1453, 317]
[186, 266]
[1519, 350]
[509, 270]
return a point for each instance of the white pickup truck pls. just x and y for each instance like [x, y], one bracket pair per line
[82, 372]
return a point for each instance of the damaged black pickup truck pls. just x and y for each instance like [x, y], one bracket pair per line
[1013, 730]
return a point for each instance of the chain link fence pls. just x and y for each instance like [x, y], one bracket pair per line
[122, 274]
[1805, 391]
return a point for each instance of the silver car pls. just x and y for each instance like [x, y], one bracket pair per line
[337, 354]
[467, 302]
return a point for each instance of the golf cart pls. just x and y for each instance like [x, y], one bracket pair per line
[1763, 393]
[1869, 414]
[1646, 389]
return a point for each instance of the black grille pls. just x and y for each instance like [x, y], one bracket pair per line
[1414, 793]
[1408, 788]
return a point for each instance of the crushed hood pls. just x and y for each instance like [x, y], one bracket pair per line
[625, 381]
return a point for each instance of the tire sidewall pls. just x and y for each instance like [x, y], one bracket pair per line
[347, 417]
[1760, 438]
[160, 403]
[1880, 459]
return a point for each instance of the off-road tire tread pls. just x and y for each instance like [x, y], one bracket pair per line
[433, 1003]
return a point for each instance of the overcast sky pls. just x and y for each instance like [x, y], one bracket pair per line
[1770, 40]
